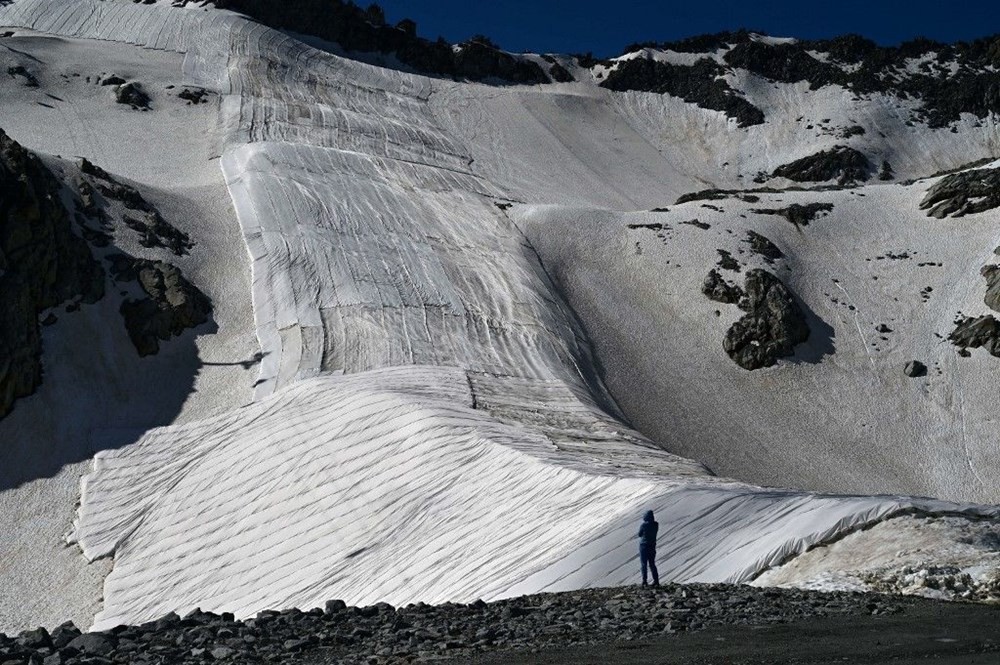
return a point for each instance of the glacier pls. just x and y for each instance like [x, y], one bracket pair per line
[430, 422]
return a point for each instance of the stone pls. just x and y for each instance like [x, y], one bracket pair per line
[976, 332]
[915, 369]
[334, 606]
[773, 325]
[34, 639]
[92, 644]
[64, 634]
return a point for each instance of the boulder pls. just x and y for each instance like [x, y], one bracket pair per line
[914, 369]
[763, 247]
[772, 326]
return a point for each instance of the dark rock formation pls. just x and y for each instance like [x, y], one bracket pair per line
[992, 275]
[194, 95]
[704, 226]
[841, 163]
[698, 84]
[964, 193]
[719, 290]
[763, 247]
[784, 62]
[43, 263]
[886, 172]
[915, 369]
[365, 31]
[796, 213]
[172, 304]
[132, 95]
[774, 323]
[976, 332]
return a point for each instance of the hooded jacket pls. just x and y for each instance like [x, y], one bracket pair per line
[647, 532]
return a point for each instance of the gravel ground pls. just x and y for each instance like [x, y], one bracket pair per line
[599, 625]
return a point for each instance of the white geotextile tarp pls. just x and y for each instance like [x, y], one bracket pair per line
[464, 454]
[389, 486]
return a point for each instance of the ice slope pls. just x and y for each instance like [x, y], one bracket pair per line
[469, 448]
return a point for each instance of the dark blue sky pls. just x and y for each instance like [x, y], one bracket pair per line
[606, 26]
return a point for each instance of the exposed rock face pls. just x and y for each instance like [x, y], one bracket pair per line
[763, 247]
[963, 193]
[698, 84]
[915, 369]
[772, 326]
[973, 333]
[719, 290]
[992, 275]
[172, 304]
[797, 214]
[42, 264]
[365, 31]
[841, 163]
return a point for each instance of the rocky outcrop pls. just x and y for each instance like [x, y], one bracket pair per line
[773, 325]
[975, 332]
[797, 213]
[365, 31]
[992, 275]
[701, 84]
[964, 193]
[840, 163]
[171, 306]
[719, 290]
[763, 247]
[43, 262]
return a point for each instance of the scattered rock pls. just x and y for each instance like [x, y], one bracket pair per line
[964, 193]
[719, 290]
[914, 369]
[841, 163]
[194, 95]
[774, 323]
[796, 213]
[884, 329]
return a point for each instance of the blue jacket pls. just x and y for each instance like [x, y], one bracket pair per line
[647, 532]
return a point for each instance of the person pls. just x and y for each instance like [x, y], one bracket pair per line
[647, 547]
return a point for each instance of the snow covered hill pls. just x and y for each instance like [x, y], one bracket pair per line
[485, 344]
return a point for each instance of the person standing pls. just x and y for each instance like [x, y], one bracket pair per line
[647, 547]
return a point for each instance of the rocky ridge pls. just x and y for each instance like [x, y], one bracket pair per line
[43, 262]
[772, 326]
[419, 633]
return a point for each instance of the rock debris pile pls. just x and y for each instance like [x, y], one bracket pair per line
[384, 634]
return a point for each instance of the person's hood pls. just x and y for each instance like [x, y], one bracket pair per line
[648, 517]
